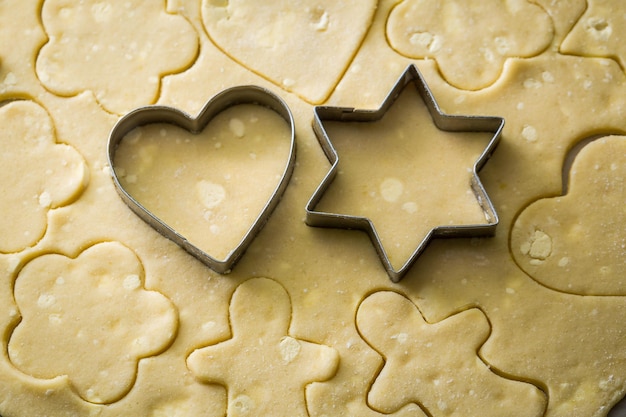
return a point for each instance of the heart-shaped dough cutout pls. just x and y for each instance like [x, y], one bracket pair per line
[268, 38]
[197, 181]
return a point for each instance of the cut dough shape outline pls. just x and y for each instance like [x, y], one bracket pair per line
[382, 313]
[535, 248]
[262, 346]
[594, 35]
[274, 55]
[49, 190]
[64, 76]
[45, 294]
[17, 74]
[484, 57]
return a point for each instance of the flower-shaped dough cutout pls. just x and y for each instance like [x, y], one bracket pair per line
[437, 365]
[470, 40]
[576, 243]
[600, 32]
[268, 38]
[37, 174]
[118, 50]
[264, 369]
[89, 318]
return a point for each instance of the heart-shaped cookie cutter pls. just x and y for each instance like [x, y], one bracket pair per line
[248, 94]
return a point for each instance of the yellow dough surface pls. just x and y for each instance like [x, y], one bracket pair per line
[100, 315]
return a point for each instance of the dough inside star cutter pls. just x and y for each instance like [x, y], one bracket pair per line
[157, 114]
[444, 122]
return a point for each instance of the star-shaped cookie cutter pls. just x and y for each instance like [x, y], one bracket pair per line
[445, 122]
[246, 94]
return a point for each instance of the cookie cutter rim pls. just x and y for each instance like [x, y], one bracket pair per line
[153, 114]
[444, 122]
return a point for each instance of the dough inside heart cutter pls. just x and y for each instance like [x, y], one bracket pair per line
[157, 114]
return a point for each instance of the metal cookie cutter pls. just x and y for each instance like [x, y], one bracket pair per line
[444, 122]
[162, 114]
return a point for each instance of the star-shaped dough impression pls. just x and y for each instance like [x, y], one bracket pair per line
[264, 369]
[118, 50]
[437, 365]
[404, 173]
